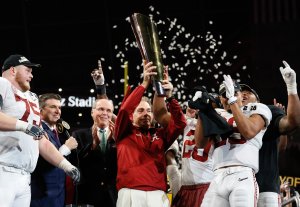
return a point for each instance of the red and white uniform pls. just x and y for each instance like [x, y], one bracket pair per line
[196, 163]
[196, 172]
[17, 148]
[18, 151]
[236, 150]
[235, 162]
[141, 158]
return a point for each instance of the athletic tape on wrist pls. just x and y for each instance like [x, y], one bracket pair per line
[232, 100]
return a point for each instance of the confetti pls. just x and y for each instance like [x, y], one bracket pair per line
[193, 59]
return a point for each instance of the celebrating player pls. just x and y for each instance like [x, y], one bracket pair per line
[19, 113]
[236, 157]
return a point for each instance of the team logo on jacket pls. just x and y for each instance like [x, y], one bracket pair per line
[154, 138]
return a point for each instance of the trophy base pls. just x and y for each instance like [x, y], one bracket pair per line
[159, 89]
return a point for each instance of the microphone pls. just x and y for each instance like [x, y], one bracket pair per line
[63, 127]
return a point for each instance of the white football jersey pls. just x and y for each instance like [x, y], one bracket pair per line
[236, 150]
[17, 148]
[196, 163]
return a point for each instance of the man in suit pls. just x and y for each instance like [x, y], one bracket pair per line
[98, 158]
[48, 181]
[97, 155]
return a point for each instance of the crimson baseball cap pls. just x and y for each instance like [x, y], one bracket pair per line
[15, 60]
[245, 87]
[236, 86]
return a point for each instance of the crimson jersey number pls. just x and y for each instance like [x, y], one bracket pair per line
[232, 140]
[28, 105]
[190, 150]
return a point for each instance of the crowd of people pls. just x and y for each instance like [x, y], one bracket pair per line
[229, 150]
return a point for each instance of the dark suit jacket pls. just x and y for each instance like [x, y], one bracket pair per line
[48, 181]
[98, 171]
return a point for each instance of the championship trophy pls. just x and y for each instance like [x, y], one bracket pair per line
[146, 36]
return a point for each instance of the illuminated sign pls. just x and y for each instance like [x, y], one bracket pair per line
[73, 101]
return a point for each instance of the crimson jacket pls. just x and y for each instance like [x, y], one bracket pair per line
[141, 158]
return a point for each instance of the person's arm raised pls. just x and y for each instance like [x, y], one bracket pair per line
[99, 80]
[160, 111]
[292, 120]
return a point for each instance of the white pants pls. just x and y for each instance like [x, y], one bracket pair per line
[138, 198]
[14, 187]
[232, 186]
[269, 199]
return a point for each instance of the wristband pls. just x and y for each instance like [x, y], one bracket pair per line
[64, 165]
[291, 89]
[232, 100]
[21, 125]
[170, 99]
[101, 89]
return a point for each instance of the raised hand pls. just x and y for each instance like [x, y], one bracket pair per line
[200, 99]
[229, 89]
[197, 95]
[289, 77]
[149, 70]
[166, 84]
[279, 105]
[97, 75]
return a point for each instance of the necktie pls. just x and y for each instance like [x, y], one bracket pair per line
[56, 136]
[103, 140]
[55, 133]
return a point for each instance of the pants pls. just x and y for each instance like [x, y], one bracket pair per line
[232, 186]
[14, 187]
[137, 198]
[269, 199]
[190, 195]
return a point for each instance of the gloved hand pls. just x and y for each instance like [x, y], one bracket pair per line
[289, 77]
[32, 130]
[203, 94]
[197, 95]
[200, 99]
[229, 89]
[70, 170]
[97, 75]
[74, 174]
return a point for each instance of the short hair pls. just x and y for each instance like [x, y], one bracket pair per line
[44, 97]
[146, 99]
[99, 99]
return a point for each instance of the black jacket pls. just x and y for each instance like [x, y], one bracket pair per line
[98, 170]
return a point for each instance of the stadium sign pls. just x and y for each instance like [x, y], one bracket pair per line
[74, 101]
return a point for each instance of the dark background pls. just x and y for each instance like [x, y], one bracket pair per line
[68, 37]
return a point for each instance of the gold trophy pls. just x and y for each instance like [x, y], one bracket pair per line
[146, 36]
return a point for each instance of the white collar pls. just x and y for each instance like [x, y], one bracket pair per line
[106, 129]
[50, 127]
